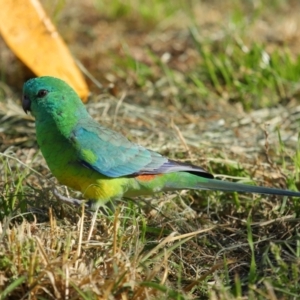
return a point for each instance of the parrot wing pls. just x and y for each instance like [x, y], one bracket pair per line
[113, 155]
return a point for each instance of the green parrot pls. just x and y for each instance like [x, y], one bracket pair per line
[101, 163]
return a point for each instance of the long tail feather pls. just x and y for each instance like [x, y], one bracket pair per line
[214, 184]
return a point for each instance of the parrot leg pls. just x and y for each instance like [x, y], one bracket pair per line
[77, 202]
[93, 223]
[106, 209]
[90, 204]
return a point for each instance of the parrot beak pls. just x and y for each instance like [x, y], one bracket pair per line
[26, 103]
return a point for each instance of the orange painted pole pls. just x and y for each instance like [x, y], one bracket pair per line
[30, 34]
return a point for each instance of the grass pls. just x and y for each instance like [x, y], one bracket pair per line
[197, 83]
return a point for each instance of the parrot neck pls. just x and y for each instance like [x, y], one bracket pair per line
[59, 123]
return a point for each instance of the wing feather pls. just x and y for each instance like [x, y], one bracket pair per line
[113, 155]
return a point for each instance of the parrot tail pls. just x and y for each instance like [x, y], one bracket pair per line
[226, 186]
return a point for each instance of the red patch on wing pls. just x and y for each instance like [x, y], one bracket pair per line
[147, 177]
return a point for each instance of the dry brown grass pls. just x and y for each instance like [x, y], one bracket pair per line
[186, 245]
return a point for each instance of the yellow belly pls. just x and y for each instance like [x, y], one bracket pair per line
[92, 184]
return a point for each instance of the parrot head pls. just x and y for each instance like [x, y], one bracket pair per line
[46, 95]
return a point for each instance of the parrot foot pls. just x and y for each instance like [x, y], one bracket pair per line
[107, 209]
[72, 201]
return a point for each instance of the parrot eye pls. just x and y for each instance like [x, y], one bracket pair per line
[42, 93]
